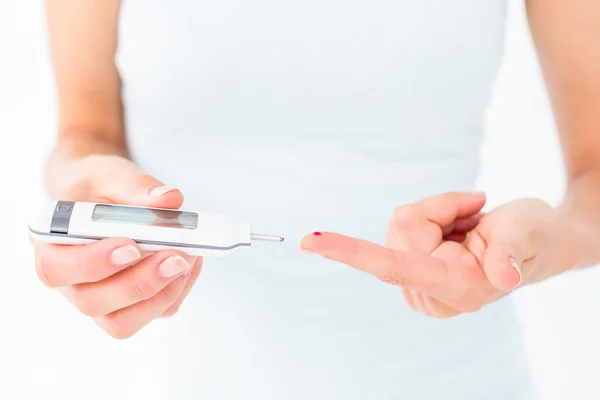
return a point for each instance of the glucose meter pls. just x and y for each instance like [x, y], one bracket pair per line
[153, 229]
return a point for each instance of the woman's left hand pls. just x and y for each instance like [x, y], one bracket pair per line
[450, 258]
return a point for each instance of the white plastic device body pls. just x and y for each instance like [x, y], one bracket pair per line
[153, 229]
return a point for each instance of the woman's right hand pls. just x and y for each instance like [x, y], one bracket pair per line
[111, 280]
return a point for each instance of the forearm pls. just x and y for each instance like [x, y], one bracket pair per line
[83, 42]
[567, 39]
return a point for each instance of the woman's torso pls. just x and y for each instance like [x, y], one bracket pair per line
[316, 115]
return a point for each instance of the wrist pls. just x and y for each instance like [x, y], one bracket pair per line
[72, 147]
[583, 238]
[76, 144]
[581, 211]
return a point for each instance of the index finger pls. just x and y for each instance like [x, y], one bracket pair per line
[445, 208]
[61, 265]
[403, 268]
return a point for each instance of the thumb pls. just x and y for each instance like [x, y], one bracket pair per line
[502, 262]
[120, 181]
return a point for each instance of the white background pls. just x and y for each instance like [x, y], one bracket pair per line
[560, 317]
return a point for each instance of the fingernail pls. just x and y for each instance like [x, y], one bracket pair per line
[160, 190]
[192, 263]
[479, 194]
[317, 233]
[173, 266]
[125, 255]
[306, 251]
[516, 266]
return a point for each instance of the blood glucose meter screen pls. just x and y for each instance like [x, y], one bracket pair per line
[145, 216]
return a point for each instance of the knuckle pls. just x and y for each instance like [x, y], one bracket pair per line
[139, 291]
[90, 269]
[394, 276]
[405, 214]
[404, 220]
[393, 279]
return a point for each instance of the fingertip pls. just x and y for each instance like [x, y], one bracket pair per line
[110, 244]
[446, 208]
[163, 255]
[175, 264]
[307, 243]
[479, 199]
[73, 264]
[191, 259]
[517, 274]
[125, 254]
[506, 275]
[159, 191]
[479, 195]
[119, 252]
[509, 280]
[316, 241]
[165, 197]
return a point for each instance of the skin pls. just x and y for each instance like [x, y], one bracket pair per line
[523, 242]
[446, 254]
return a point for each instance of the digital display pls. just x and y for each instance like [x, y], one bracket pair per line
[145, 216]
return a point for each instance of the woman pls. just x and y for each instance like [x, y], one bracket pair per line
[319, 115]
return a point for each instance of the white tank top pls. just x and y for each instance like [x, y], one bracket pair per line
[316, 115]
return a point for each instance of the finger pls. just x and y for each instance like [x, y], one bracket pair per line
[437, 309]
[428, 305]
[420, 226]
[125, 322]
[407, 269]
[420, 304]
[445, 208]
[191, 280]
[502, 262]
[124, 183]
[409, 298]
[463, 225]
[131, 286]
[60, 265]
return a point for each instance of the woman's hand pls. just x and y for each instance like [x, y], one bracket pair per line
[450, 258]
[111, 280]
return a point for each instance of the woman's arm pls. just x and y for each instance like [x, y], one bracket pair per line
[567, 37]
[108, 280]
[83, 43]
[446, 255]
